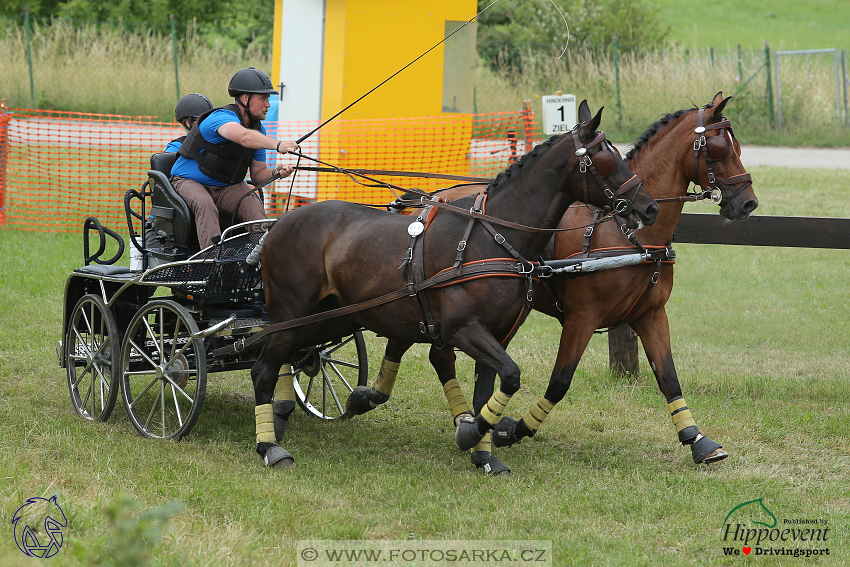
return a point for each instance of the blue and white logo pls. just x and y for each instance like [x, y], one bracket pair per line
[38, 527]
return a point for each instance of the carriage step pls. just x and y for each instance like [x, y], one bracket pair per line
[245, 323]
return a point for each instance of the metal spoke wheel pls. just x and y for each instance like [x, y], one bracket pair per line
[164, 371]
[328, 374]
[92, 345]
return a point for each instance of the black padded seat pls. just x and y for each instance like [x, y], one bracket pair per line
[104, 269]
[171, 213]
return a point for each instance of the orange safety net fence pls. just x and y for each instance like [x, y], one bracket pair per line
[58, 168]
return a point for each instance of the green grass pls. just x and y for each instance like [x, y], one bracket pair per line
[760, 343]
[786, 24]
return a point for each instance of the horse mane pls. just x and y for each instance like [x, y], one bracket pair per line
[525, 160]
[658, 125]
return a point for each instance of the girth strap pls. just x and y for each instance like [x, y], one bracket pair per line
[498, 267]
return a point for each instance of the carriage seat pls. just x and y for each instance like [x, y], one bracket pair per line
[170, 212]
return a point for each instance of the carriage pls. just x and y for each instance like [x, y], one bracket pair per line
[151, 331]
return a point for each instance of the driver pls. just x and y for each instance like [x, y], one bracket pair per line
[223, 145]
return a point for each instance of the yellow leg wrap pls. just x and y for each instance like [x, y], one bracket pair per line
[537, 413]
[386, 376]
[484, 445]
[284, 390]
[457, 403]
[265, 423]
[681, 415]
[495, 407]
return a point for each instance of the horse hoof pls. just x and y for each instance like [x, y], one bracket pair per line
[467, 434]
[706, 451]
[714, 456]
[279, 458]
[504, 434]
[358, 401]
[489, 465]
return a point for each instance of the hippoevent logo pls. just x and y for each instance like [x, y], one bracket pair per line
[38, 527]
[750, 528]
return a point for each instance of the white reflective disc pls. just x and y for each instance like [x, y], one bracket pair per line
[415, 228]
[699, 129]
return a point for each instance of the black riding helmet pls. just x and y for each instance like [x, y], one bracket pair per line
[250, 81]
[191, 106]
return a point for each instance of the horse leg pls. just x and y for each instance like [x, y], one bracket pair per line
[654, 332]
[481, 455]
[479, 343]
[443, 361]
[575, 335]
[363, 399]
[264, 375]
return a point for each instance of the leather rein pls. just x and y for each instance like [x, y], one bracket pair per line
[459, 271]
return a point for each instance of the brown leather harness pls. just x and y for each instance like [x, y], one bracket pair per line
[713, 149]
[460, 271]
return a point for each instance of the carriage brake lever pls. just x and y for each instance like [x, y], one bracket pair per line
[209, 331]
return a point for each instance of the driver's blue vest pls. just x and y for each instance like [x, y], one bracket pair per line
[227, 161]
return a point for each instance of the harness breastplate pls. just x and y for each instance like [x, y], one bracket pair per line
[226, 161]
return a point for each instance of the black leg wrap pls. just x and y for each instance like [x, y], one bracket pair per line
[704, 450]
[282, 411]
[688, 435]
[504, 434]
[468, 433]
[358, 401]
[489, 465]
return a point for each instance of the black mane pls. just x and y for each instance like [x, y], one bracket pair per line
[525, 160]
[653, 129]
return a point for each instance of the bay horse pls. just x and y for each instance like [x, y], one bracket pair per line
[688, 146]
[349, 259]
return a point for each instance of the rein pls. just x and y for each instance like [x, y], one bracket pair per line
[424, 175]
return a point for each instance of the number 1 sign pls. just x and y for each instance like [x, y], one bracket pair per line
[559, 113]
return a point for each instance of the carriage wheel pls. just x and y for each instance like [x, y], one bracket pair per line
[92, 345]
[328, 375]
[164, 371]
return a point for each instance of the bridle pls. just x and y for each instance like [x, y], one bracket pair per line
[601, 166]
[716, 149]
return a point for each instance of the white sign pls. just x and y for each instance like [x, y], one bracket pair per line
[559, 114]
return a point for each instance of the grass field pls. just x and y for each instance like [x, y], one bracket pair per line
[760, 340]
[786, 24]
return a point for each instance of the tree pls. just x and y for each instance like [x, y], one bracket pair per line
[511, 28]
[242, 21]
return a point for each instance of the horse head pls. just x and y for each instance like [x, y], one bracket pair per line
[615, 186]
[717, 162]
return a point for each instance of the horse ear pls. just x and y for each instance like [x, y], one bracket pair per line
[594, 124]
[584, 112]
[717, 98]
[717, 109]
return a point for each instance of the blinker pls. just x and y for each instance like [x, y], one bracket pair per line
[718, 148]
[605, 163]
